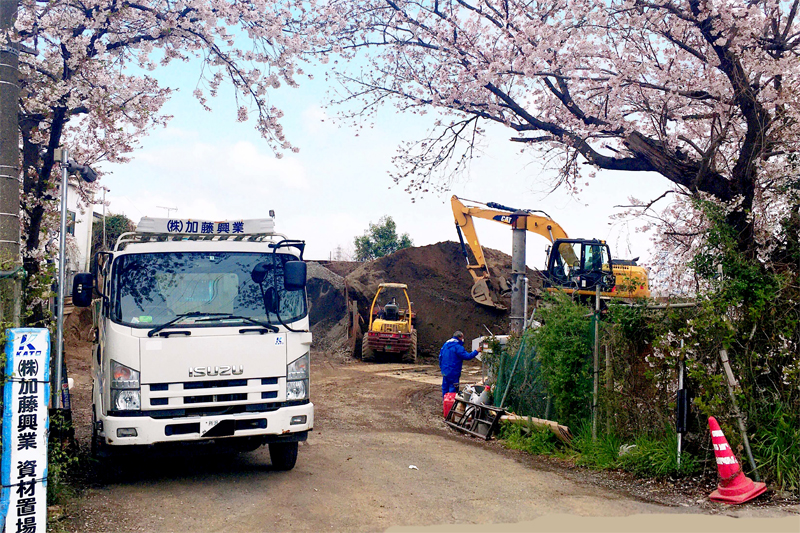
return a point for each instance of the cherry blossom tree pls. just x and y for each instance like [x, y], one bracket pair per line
[702, 92]
[88, 83]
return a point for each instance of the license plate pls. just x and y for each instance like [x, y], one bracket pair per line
[207, 425]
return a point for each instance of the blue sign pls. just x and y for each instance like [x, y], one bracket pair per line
[23, 502]
[188, 226]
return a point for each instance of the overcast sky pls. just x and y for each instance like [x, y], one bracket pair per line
[208, 166]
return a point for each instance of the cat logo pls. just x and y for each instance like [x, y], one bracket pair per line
[507, 219]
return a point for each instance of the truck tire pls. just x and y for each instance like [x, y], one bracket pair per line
[283, 455]
[367, 353]
[411, 355]
[95, 444]
[98, 448]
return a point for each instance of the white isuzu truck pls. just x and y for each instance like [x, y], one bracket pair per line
[201, 333]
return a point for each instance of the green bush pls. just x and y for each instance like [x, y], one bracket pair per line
[62, 460]
[564, 350]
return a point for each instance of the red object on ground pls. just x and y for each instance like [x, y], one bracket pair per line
[447, 404]
[734, 486]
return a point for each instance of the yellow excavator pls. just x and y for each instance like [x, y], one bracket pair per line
[573, 265]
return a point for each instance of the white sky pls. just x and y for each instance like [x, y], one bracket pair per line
[211, 167]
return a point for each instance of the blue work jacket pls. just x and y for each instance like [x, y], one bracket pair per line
[452, 355]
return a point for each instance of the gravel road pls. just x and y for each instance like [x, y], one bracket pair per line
[379, 456]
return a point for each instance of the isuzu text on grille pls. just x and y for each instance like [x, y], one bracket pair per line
[199, 371]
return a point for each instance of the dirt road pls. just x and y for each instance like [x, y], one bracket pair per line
[373, 422]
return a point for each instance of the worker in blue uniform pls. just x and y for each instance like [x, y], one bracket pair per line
[451, 357]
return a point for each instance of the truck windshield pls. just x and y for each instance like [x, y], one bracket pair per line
[152, 289]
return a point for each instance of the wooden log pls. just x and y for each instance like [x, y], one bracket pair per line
[562, 432]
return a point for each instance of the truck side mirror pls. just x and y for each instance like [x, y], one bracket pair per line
[82, 287]
[259, 273]
[294, 275]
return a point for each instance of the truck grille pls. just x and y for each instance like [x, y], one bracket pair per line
[211, 396]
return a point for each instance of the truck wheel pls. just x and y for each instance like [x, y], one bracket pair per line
[283, 455]
[367, 353]
[411, 355]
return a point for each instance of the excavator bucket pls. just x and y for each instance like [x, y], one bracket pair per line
[483, 294]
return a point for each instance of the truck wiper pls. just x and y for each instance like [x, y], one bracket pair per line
[224, 316]
[178, 319]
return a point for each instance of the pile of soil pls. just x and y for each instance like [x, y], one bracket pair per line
[327, 309]
[438, 284]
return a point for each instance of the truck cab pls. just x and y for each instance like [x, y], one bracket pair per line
[201, 334]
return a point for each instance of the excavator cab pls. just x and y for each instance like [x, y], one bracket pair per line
[580, 264]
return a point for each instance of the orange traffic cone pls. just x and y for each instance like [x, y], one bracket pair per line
[734, 486]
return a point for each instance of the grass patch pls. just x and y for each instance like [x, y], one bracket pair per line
[657, 458]
[601, 454]
[647, 456]
[776, 446]
[534, 440]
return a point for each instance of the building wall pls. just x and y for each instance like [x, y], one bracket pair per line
[79, 246]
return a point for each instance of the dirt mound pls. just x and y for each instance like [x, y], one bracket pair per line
[326, 298]
[78, 326]
[439, 287]
[327, 309]
[342, 268]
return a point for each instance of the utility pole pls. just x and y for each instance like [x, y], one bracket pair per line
[518, 290]
[169, 209]
[596, 361]
[9, 165]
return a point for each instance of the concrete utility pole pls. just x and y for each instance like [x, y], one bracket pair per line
[9, 162]
[518, 234]
[62, 156]
[596, 361]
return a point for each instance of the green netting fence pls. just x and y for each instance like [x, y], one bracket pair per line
[521, 380]
[524, 388]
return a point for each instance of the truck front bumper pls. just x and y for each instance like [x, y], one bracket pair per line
[142, 430]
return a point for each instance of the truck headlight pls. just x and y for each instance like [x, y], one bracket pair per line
[126, 400]
[125, 393]
[297, 390]
[123, 377]
[297, 378]
[298, 369]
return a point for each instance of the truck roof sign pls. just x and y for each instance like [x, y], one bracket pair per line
[189, 226]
